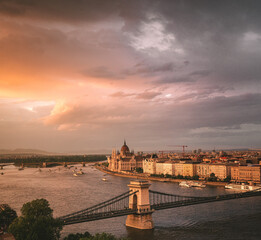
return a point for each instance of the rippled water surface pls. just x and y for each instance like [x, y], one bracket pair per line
[234, 219]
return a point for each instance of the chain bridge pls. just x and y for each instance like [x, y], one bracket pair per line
[139, 203]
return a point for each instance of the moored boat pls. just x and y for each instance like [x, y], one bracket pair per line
[242, 186]
[184, 184]
[197, 184]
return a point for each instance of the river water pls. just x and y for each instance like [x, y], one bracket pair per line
[234, 219]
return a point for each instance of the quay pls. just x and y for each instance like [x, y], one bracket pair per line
[143, 176]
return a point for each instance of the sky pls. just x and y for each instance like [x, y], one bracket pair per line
[83, 75]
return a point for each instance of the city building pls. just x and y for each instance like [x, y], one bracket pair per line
[149, 164]
[250, 173]
[179, 169]
[189, 169]
[124, 160]
[165, 168]
[204, 170]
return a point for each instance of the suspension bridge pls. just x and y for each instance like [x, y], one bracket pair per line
[139, 203]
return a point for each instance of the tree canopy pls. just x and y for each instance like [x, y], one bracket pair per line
[7, 216]
[103, 236]
[36, 222]
[88, 236]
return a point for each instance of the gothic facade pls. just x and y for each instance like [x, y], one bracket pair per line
[124, 160]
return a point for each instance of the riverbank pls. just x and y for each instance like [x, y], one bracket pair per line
[142, 176]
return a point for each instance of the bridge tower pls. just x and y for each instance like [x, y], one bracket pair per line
[140, 201]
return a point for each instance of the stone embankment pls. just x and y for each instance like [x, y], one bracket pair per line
[147, 177]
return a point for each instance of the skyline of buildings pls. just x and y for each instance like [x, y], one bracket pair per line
[241, 167]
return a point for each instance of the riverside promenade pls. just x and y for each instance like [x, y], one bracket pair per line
[144, 176]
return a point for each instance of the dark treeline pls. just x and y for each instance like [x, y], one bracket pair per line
[60, 158]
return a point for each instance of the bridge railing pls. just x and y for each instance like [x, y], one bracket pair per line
[161, 200]
[118, 204]
[160, 197]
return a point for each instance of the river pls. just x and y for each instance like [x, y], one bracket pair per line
[234, 219]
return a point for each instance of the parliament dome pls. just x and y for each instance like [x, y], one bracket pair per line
[125, 148]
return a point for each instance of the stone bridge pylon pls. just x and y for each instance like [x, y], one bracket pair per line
[140, 201]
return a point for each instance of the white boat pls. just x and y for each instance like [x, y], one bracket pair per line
[80, 172]
[197, 184]
[104, 179]
[75, 175]
[242, 186]
[184, 184]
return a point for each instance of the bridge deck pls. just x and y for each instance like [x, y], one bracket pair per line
[200, 200]
[118, 206]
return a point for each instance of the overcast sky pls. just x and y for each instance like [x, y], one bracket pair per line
[82, 75]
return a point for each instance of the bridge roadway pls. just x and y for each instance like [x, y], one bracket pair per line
[118, 206]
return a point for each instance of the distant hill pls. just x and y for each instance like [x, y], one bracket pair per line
[237, 149]
[25, 151]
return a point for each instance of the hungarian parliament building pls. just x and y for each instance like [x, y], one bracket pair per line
[124, 160]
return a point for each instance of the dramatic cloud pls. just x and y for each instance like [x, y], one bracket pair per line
[90, 73]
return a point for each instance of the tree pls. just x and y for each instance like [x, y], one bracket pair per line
[212, 177]
[227, 179]
[195, 177]
[105, 164]
[103, 236]
[78, 236]
[7, 216]
[180, 176]
[139, 170]
[36, 222]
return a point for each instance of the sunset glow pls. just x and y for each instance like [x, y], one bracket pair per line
[80, 76]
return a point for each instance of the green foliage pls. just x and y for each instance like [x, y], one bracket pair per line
[103, 236]
[212, 178]
[154, 175]
[168, 176]
[212, 175]
[88, 236]
[180, 176]
[18, 160]
[105, 164]
[196, 177]
[139, 170]
[227, 179]
[78, 236]
[36, 222]
[7, 216]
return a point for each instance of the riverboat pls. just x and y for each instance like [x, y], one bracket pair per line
[243, 187]
[197, 184]
[184, 184]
